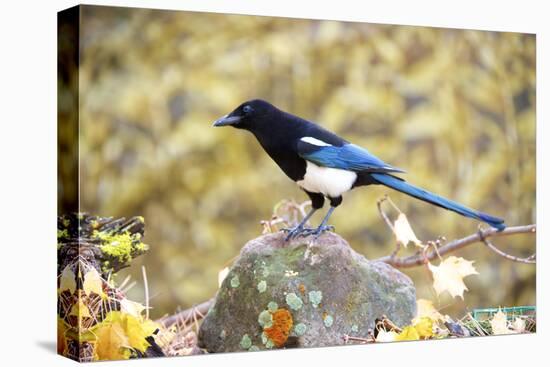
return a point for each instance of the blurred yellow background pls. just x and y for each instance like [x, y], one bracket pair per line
[454, 108]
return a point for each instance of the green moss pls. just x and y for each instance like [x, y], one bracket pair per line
[246, 342]
[235, 281]
[272, 306]
[294, 301]
[262, 286]
[315, 297]
[300, 329]
[265, 319]
[118, 246]
[328, 321]
[62, 234]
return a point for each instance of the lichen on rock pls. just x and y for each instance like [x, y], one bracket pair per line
[345, 293]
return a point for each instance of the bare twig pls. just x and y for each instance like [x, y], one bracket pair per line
[419, 259]
[382, 213]
[358, 339]
[196, 312]
[528, 260]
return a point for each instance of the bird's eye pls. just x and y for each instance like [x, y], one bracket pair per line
[247, 109]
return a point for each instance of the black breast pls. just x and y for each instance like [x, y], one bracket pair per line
[291, 163]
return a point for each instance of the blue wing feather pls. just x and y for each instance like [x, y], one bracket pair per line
[349, 157]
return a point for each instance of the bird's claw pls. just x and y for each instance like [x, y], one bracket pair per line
[301, 231]
[316, 232]
[293, 232]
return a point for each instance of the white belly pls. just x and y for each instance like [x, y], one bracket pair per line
[331, 182]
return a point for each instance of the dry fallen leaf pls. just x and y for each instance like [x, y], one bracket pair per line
[424, 327]
[408, 333]
[425, 308]
[519, 325]
[386, 336]
[448, 276]
[93, 283]
[130, 307]
[67, 281]
[499, 324]
[403, 231]
[112, 342]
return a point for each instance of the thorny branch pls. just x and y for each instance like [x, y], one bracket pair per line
[438, 250]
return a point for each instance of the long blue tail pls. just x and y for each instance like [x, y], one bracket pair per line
[404, 187]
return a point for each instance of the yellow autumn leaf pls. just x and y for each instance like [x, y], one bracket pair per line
[119, 332]
[132, 308]
[449, 275]
[80, 310]
[424, 327]
[61, 341]
[403, 231]
[112, 342]
[386, 336]
[93, 283]
[137, 331]
[499, 324]
[425, 308]
[67, 280]
[408, 333]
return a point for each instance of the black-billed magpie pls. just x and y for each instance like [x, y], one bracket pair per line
[325, 165]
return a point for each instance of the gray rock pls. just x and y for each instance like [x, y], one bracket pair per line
[303, 293]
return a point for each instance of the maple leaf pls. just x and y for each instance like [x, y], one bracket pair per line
[386, 336]
[449, 275]
[119, 332]
[93, 283]
[112, 342]
[403, 231]
[499, 324]
[80, 310]
[408, 333]
[137, 331]
[67, 280]
[424, 327]
[425, 308]
[519, 325]
[130, 307]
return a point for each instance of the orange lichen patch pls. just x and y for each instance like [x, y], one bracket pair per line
[279, 331]
[302, 288]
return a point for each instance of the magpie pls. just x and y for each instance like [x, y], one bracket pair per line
[325, 165]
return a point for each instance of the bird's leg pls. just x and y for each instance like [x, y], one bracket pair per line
[293, 232]
[322, 227]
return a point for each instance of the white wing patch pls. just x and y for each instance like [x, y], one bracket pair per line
[331, 182]
[313, 141]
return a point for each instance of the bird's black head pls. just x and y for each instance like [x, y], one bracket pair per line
[249, 115]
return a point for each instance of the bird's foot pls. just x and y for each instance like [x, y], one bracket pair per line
[294, 232]
[316, 232]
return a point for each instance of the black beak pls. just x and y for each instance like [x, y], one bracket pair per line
[227, 120]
